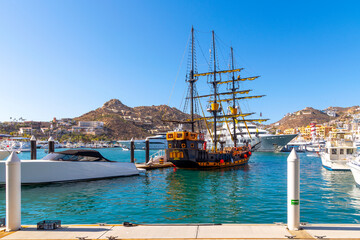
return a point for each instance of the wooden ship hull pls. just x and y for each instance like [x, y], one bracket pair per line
[186, 150]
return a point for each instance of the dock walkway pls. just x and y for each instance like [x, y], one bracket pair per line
[188, 231]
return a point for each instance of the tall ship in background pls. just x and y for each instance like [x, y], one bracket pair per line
[189, 149]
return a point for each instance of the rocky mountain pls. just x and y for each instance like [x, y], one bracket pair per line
[307, 115]
[123, 122]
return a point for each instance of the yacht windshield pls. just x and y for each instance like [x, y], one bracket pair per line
[77, 155]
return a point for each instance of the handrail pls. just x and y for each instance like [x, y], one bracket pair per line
[158, 153]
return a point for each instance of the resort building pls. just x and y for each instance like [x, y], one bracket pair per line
[89, 127]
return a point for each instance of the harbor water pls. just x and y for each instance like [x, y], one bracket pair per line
[255, 193]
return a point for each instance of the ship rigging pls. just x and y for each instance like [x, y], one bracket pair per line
[188, 149]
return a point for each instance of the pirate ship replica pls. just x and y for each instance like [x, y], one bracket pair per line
[188, 149]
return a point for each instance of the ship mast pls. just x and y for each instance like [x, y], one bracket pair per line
[215, 104]
[192, 80]
[233, 89]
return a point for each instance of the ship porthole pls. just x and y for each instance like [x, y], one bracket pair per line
[183, 145]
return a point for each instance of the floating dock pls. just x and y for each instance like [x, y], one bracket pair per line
[154, 165]
[188, 231]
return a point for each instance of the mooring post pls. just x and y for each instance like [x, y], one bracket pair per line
[51, 144]
[33, 147]
[147, 150]
[293, 191]
[13, 193]
[132, 149]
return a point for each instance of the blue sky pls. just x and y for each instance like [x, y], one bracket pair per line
[65, 58]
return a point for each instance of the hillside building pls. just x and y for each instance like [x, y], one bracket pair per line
[89, 127]
[321, 131]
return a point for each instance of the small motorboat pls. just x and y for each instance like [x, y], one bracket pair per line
[339, 150]
[71, 165]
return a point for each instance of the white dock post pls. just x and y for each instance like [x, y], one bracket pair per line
[293, 191]
[13, 193]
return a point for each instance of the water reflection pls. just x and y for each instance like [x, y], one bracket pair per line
[203, 194]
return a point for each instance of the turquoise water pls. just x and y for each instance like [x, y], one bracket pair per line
[255, 193]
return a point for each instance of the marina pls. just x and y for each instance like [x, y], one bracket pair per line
[179, 120]
[251, 194]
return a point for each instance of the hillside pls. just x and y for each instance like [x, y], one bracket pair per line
[123, 122]
[304, 117]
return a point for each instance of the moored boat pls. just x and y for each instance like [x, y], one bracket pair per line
[188, 148]
[354, 166]
[338, 151]
[71, 165]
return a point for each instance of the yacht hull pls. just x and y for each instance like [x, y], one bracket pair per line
[274, 143]
[355, 170]
[140, 144]
[333, 165]
[47, 171]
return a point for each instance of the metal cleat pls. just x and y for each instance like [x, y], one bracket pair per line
[279, 223]
[290, 236]
[129, 224]
[101, 224]
[83, 238]
[320, 237]
[112, 238]
[304, 223]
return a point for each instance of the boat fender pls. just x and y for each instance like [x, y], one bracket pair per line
[250, 153]
[222, 161]
[245, 156]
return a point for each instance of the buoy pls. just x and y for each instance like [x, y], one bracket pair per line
[245, 156]
[250, 153]
[222, 161]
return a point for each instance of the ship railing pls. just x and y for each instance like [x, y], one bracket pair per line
[159, 153]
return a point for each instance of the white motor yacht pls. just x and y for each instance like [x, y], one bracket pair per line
[259, 139]
[338, 151]
[157, 142]
[71, 165]
[355, 169]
